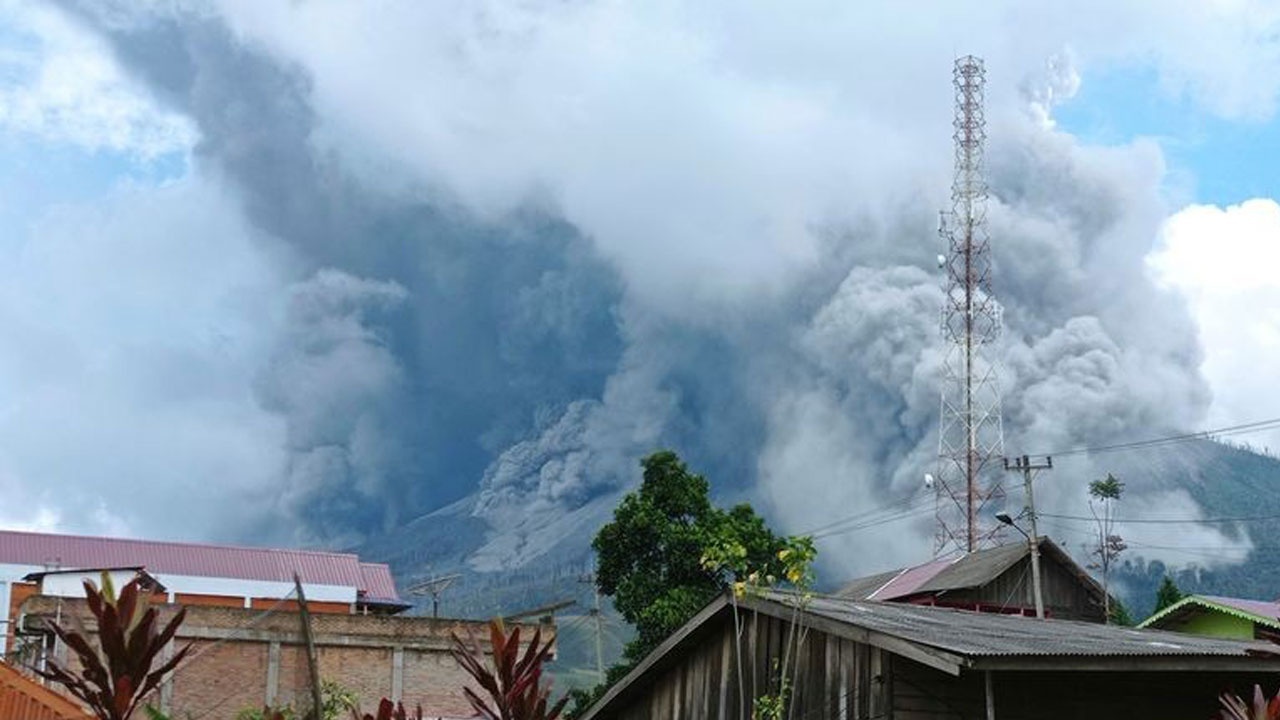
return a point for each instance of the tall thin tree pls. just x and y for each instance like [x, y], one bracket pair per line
[1103, 496]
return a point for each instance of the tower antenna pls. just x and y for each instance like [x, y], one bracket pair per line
[970, 432]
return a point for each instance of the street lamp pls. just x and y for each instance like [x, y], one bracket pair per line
[1034, 544]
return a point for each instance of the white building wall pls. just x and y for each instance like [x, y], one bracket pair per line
[252, 588]
[72, 585]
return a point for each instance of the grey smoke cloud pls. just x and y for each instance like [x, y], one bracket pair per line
[528, 244]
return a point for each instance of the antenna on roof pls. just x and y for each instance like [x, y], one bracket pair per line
[434, 586]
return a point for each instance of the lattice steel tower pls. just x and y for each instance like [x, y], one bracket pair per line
[970, 433]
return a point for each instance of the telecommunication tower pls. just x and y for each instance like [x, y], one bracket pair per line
[970, 433]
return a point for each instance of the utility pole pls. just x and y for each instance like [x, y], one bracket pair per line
[1029, 469]
[599, 622]
[313, 666]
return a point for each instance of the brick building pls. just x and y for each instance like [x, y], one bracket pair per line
[243, 622]
[242, 658]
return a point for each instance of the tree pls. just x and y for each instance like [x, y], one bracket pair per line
[669, 551]
[1119, 614]
[1103, 496]
[651, 556]
[1167, 594]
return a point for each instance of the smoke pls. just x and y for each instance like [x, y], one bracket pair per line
[529, 243]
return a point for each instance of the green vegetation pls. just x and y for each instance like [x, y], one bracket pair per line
[1168, 594]
[1224, 481]
[1103, 496]
[336, 702]
[115, 670]
[514, 685]
[651, 555]
[669, 551]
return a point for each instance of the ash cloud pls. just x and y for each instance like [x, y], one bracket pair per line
[530, 257]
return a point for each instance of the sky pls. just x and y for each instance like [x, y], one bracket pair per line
[303, 272]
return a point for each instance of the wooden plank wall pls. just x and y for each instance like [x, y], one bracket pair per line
[1065, 598]
[833, 677]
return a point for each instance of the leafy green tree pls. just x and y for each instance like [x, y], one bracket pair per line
[669, 551]
[1167, 594]
[651, 556]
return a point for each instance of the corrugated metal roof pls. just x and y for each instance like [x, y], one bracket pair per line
[377, 582]
[24, 699]
[1261, 608]
[1258, 611]
[976, 568]
[223, 561]
[861, 588]
[956, 573]
[978, 635]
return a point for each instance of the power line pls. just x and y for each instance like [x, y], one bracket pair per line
[1257, 426]
[1171, 521]
[925, 509]
[901, 503]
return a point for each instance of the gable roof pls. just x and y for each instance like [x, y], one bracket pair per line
[959, 573]
[222, 561]
[1262, 612]
[956, 640]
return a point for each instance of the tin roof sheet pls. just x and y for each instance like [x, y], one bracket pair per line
[223, 561]
[974, 634]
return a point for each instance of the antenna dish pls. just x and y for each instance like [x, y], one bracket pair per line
[942, 261]
[928, 480]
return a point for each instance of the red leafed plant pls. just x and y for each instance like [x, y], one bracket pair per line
[514, 686]
[388, 711]
[1234, 708]
[115, 669]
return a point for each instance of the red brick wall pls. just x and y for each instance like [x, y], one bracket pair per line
[228, 669]
[221, 680]
[292, 606]
[367, 671]
[208, 600]
[435, 680]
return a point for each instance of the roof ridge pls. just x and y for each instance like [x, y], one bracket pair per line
[211, 546]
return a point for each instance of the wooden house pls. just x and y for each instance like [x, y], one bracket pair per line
[1225, 617]
[848, 658]
[996, 580]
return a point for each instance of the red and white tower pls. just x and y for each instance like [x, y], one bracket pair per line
[970, 433]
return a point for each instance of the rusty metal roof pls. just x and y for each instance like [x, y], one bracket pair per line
[223, 561]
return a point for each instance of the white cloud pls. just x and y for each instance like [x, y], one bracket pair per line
[60, 83]
[134, 330]
[712, 139]
[1226, 261]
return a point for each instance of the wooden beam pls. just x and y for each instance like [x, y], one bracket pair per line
[1127, 663]
[313, 668]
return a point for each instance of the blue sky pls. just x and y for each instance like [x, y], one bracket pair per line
[1224, 162]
